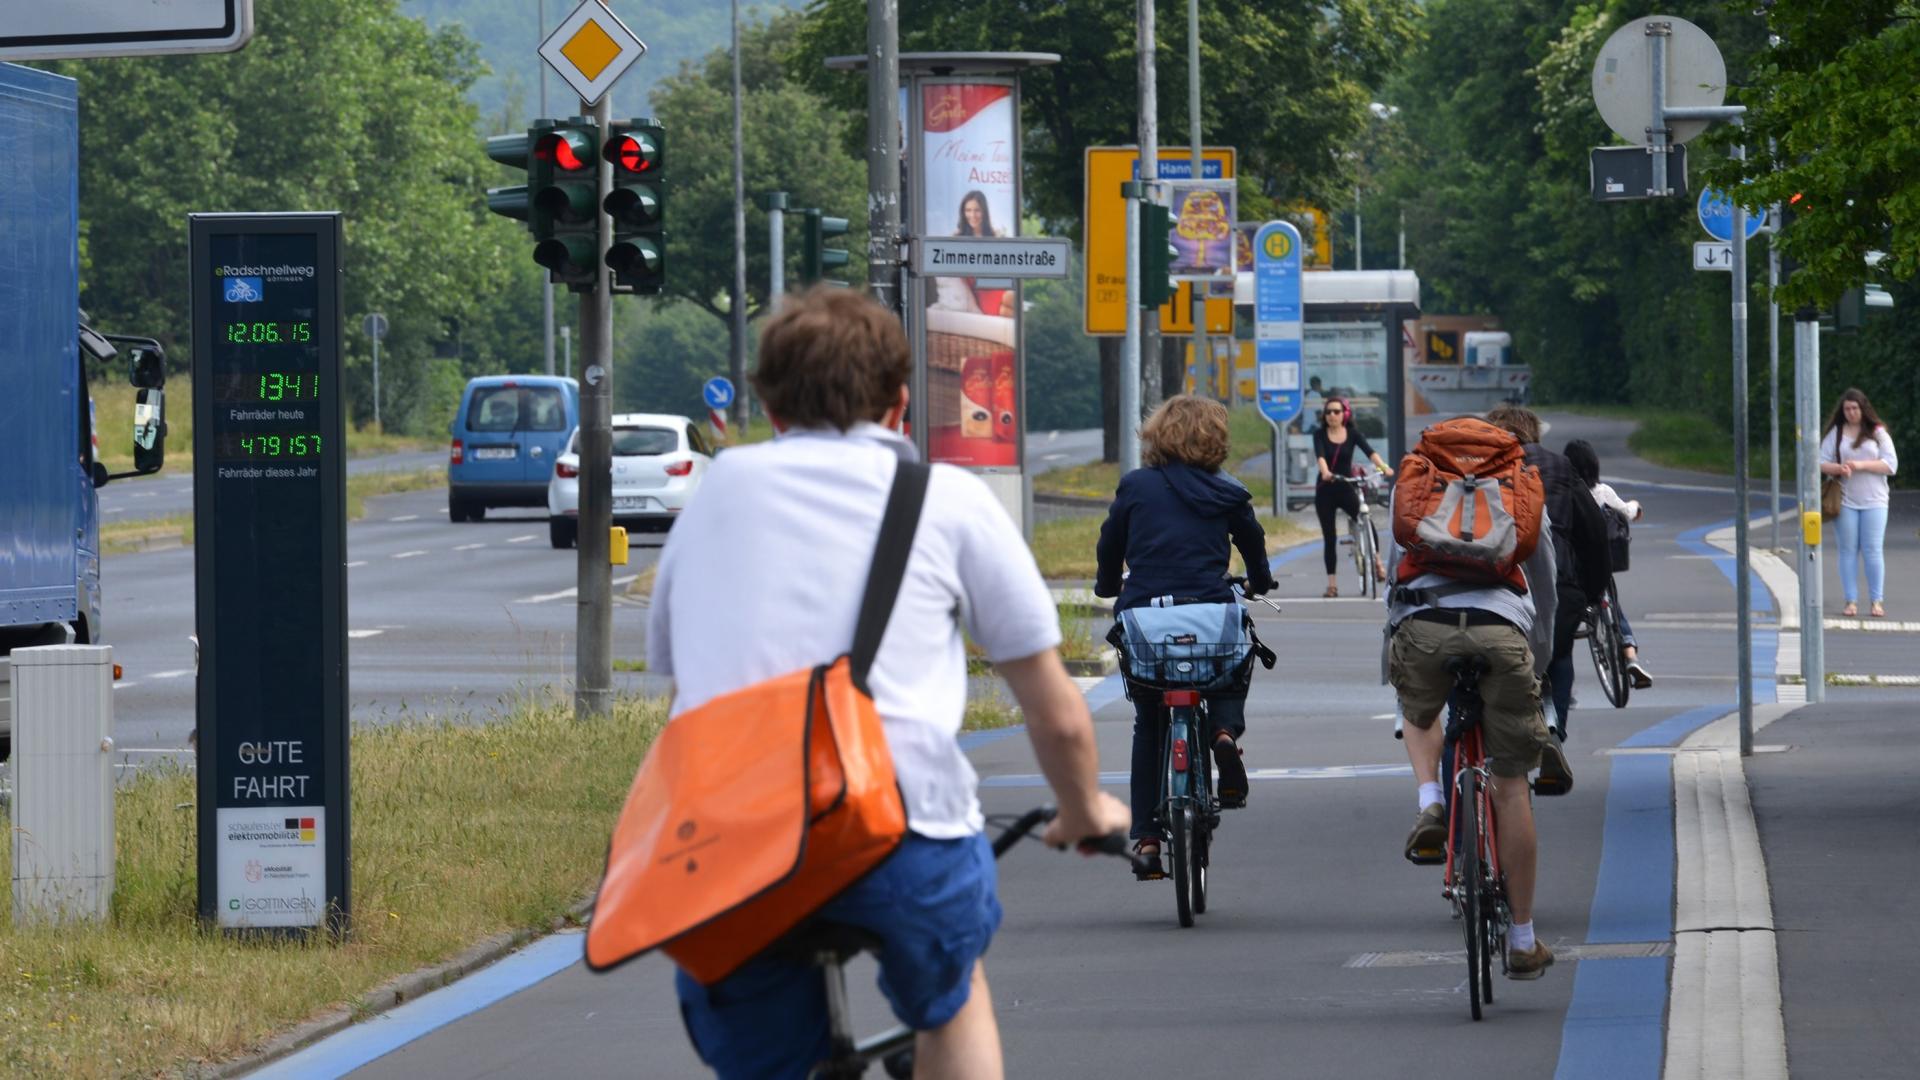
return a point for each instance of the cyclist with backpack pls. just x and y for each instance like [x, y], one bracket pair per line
[762, 579]
[1621, 514]
[1174, 525]
[1472, 574]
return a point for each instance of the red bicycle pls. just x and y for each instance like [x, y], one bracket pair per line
[1474, 883]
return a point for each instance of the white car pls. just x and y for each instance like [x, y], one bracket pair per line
[658, 463]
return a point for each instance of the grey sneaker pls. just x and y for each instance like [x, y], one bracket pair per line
[1639, 675]
[1530, 964]
[1556, 776]
[1427, 843]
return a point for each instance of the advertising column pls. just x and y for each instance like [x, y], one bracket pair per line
[968, 186]
[269, 527]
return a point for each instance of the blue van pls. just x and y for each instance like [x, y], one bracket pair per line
[508, 432]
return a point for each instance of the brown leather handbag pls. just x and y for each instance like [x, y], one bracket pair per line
[753, 810]
[1832, 488]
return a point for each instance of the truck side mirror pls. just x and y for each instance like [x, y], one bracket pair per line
[147, 369]
[149, 428]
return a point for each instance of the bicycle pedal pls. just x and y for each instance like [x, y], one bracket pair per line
[1427, 858]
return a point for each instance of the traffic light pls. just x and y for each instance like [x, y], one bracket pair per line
[1156, 255]
[637, 256]
[816, 258]
[565, 189]
[511, 151]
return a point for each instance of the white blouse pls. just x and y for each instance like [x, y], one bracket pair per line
[1862, 490]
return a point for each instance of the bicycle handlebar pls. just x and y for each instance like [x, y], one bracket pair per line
[1113, 844]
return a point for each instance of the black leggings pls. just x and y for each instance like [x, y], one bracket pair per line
[1329, 496]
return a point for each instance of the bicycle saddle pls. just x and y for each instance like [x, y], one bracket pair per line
[809, 940]
[1468, 665]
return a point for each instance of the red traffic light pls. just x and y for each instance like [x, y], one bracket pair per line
[568, 151]
[636, 152]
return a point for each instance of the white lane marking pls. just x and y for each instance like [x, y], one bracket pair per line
[124, 685]
[356, 562]
[408, 554]
[1881, 626]
[405, 517]
[144, 494]
[358, 634]
[469, 547]
[521, 539]
[1384, 716]
[443, 511]
[1325, 772]
[171, 674]
[115, 510]
[541, 598]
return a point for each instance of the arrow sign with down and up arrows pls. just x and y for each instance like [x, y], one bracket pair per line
[1712, 255]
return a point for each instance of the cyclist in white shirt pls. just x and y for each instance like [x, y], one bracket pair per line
[1586, 466]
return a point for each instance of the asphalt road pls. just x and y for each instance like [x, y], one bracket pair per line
[1323, 952]
[170, 491]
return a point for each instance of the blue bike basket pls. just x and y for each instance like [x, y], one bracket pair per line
[1188, 645]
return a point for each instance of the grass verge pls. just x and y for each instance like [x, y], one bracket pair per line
[1064, 547]
[460, 832]
[113, 422]
[119, 537]
[1248, 436]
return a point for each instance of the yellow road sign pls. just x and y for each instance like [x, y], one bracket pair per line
[1176, 315]
[1104, 225]
[590, 49]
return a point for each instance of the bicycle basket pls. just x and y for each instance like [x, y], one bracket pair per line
[1189, 645]
[1619, 539]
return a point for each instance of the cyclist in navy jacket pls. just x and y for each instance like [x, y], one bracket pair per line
[1174, 525]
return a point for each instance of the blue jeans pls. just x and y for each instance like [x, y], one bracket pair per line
[1862, 533]
[932, 905]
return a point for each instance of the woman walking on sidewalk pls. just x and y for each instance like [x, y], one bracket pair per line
[1857, 449]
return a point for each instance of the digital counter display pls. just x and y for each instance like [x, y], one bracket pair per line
[269, 566]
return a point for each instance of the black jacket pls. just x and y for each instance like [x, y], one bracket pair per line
[1174, 528]
[1582, 561]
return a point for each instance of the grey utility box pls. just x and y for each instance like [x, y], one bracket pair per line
[62, 783]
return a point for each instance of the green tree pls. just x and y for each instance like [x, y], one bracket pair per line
[335, 105]
[1287, 83]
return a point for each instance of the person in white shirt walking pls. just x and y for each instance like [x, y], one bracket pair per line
[763, 574]
[1857, 449]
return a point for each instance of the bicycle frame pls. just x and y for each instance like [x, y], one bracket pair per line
[1470, 750]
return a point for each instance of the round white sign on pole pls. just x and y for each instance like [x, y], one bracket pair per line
[1623, 78]
[375, 324]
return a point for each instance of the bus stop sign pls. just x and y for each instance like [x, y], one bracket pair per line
[1277, 320]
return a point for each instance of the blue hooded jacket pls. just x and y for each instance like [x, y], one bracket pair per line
[1174, 527]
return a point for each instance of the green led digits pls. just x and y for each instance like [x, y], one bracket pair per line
[275, 446]
[269, 333]
[289, 386]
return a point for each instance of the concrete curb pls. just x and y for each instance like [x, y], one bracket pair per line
[391, 994]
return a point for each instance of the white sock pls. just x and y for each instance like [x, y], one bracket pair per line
[1520, 936]
[1430, 794]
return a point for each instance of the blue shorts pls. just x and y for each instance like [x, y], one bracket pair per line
[932, 905]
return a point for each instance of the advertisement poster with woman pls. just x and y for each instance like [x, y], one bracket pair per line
[967, 184]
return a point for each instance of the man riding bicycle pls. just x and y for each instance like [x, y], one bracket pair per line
[1435, 616]
[763, 574]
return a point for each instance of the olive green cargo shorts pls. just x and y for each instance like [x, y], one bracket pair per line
[1514, 728]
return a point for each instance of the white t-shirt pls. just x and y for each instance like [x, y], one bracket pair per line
[1862, 490]
[763, 573]
[1606, 496]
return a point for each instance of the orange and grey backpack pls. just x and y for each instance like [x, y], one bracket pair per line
[1466, 505]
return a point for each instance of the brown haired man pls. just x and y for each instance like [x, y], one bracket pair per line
[763, 574]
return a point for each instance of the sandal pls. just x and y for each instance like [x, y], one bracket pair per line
[1148, 867]
[1852, 610]
[1332, 591]
[1233, 772]
[1877, 611]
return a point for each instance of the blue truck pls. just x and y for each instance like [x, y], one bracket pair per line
[49, 466]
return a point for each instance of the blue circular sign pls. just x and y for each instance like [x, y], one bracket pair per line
[718, 392]
[1715, 211]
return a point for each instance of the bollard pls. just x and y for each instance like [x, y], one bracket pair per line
[62, 783]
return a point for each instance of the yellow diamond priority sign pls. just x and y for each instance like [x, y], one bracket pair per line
[590, 49]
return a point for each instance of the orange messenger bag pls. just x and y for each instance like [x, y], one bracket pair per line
[753, 810]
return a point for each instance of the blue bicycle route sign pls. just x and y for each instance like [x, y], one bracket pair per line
[1715, 212]
[1277, 317]
[718, 392]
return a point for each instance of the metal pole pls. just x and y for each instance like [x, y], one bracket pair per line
[1205, 378]
[737, 301]
[1657, 131]
[1358, 234]
[1130, 347]
[593, 644]
[1742, 553]
[1403, 238]
[776, 247]
[566, 343]
[1806, 411]
[376, 383]
[883, 156]
[1148, 170]
[546, 283]
[1773, 381]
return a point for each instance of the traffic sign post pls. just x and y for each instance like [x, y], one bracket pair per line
[1278, 333]
[718, 392]
[1712, 255]
[1715, 211]
[269, 552]
[591, 49]
[375, 325]
[1104, 228]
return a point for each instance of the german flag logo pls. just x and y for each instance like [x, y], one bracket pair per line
[301, 825]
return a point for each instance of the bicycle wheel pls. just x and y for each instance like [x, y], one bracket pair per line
[1492, 937]
[1177, 814]
[1609, 656]
[1180, 824]
[1467, 884]
[1360, 542]
[1203, 819]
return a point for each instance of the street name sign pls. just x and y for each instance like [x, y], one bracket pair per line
[71, 29]
[591, 49]
[1713, 255]
[1278, 321]
[270, 585]
[991, 256]
[1715, 212]
[1625, 173]
[1696, 75]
